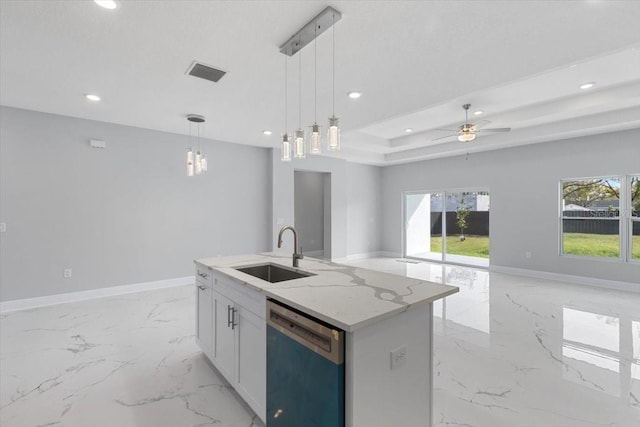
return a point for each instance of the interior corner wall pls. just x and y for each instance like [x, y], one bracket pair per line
[355, 202]
[122, 215]
[524, 188]
[364, 216]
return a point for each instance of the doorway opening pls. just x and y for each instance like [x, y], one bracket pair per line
[312, 212]
[447, 226]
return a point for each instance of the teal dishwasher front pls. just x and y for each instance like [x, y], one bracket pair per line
[305, 370]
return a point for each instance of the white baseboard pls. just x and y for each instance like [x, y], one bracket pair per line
[579, 280]
[24, 304]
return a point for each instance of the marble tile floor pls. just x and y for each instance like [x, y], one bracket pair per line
[509, 352]
[512, 351]
[123, 361]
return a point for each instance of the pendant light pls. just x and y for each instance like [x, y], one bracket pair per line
[285, 145]
[196, 160]
[333, 133]
[315, 141]
[300, 148]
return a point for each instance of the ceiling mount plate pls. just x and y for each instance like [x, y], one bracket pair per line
[312, 29]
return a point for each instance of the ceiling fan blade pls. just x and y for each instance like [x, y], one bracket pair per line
[444, 137]
[481, 123]
[447, 130]
[495, 130]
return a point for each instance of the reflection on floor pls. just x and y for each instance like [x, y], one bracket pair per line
[521, 352]
[509, 352]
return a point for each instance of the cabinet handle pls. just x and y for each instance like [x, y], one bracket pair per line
[229, 321]
[202, 288]
[205, 275]
[233, 317]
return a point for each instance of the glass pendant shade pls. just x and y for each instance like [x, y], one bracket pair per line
[333, 134]
[189, 162]
[300, 146]
[203, 163]
[285, 149]
[315, 142]
[198, 163]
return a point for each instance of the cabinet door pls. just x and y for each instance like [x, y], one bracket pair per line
[204, 320]
[251, 372]
[224, 346]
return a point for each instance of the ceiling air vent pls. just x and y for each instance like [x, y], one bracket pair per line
[198, 69]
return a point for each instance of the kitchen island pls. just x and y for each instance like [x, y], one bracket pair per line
[387, 320]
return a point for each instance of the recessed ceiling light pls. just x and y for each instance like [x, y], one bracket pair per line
[477, 113]
[108, 4]
[587, 85]
[267, 132]
[408, 130]
[92, 97]
[354, 95]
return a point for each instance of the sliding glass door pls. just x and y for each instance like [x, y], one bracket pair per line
[448, 227]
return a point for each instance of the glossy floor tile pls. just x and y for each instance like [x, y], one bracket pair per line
[520, 352]
[509, 352]
[124, 361]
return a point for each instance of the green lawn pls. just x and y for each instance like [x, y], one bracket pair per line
[477, 246]
[598, 245]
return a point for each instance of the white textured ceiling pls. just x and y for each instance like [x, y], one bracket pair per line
[416, 62]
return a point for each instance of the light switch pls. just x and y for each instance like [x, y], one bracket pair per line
[399, 357]
[3, 227]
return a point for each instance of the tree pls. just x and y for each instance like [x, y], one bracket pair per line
[635, 193]
[585, 192]
[462, 213]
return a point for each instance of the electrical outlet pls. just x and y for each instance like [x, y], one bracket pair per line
[527, 255]
[3, 227]
[67, 273]
[399, 357]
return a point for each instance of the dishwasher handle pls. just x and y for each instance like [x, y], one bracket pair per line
[327, 342]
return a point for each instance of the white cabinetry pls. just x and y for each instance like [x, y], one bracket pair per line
[224, 336]
[204, 310]
[238, 336]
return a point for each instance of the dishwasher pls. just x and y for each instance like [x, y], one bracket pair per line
[305, 370]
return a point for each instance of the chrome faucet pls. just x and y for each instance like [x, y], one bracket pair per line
[296, 255]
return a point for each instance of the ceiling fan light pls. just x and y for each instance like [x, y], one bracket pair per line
[466, 136]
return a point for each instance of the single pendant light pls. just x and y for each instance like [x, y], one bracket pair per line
[333, 133]
[190, 162]
[299, 149]
[315, 141]
[190, 154]
[285, 145]
[203, 159]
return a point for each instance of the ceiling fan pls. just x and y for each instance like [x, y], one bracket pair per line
[467, 131]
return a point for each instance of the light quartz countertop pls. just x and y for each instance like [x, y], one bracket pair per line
[347, 297]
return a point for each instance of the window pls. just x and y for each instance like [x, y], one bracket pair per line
[634, 218]
[600, 217]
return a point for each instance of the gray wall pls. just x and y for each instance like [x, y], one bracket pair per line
[364, 213]
[354, 202]
[523, 183]
[309, 210]
[126, 214]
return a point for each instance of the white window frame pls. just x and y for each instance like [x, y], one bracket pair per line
[625, 219]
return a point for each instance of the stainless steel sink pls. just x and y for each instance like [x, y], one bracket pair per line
[273, 273]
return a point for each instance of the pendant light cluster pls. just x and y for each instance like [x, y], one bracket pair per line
[196, 159]
[323, 21]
